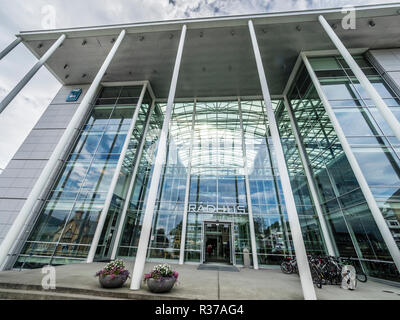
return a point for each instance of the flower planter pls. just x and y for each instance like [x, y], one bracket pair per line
[161, 285]
[161, 279]
[113, 275]
[115, 282]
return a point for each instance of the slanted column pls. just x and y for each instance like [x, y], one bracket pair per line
[298, 242]
[248, 195]
[55, 158]
[114, 180]
[13, 93]
[10, 47]
[187, 190]
[157, 170]
[132, 183]
[310, 180]
[369, 197]
[385, 111]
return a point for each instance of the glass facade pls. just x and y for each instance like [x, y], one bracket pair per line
[309, 222]
[107, 238]
[67, 222]
[349, 219]
[205, 177]
[132, 225]
[167, 223]
[217, 187]
[272, 231]
[220, 170]
[371, 139]
[206, 148]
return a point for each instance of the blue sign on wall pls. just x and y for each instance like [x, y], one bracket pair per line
[74, 95]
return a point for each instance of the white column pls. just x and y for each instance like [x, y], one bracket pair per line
[131, 184]
[300, 250]
[385, 111]
[155, 179]
[369, 197]
[310, 180]
[56, 156]
[187, 190]
[248, 196]
[10, 47]
[114, 180]
[30, 73]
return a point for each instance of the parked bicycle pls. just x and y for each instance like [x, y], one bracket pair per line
[317, 274]
[324, 269]
[289, 265]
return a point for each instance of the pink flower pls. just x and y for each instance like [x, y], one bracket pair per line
[147, 276]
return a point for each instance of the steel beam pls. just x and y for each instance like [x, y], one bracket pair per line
[385, 111]
[248, 195]
[13, 93]
[10, 47]
[187, 191]
[298, 242]
[140, 260]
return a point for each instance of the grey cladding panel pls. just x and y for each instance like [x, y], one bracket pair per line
[19, 177]
[388, 62]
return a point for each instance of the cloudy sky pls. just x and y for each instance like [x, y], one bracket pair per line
[17, 15]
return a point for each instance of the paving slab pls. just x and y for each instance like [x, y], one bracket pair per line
[247, 284]
[252, 284]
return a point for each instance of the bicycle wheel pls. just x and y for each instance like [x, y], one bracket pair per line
[317, 280]
[362, 277]
[286, 268]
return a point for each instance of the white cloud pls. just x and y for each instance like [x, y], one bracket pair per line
[17, 15]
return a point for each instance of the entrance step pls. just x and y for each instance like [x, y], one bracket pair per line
[12, 294]
[15, 291]
[218, 268]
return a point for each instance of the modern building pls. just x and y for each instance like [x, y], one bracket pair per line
[200, 140]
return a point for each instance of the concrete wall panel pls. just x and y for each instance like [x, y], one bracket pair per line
[21, 173]
[387, 61]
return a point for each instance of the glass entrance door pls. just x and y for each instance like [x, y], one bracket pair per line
[217, 242]
[106, 243]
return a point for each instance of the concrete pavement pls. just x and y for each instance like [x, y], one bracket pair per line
[248, 284]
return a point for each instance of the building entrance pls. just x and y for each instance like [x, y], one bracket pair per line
[217, 242]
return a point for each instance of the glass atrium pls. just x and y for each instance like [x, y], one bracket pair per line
[221, 173]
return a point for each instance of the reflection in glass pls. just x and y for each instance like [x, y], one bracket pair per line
[67, 222]
[373, 145]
